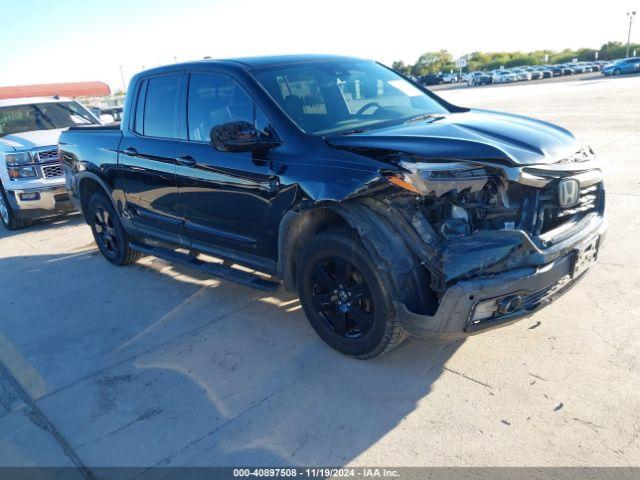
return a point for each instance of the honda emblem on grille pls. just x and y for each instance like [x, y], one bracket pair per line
[568, 192]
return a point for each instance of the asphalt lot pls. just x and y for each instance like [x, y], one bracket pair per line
[156, 365]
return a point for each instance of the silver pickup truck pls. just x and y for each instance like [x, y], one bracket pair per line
[32, 183]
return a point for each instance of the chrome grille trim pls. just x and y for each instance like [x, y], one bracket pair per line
[47, 156]
[50, 171]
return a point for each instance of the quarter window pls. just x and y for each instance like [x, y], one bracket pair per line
[139, 115]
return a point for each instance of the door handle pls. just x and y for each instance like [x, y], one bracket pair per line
[131, 151]
[186, 161]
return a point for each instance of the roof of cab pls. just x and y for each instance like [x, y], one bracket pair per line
[275, 60]
[250, 62]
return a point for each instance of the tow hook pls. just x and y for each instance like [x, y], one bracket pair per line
[509, 304]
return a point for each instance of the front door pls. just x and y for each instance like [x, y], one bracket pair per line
[225, 197]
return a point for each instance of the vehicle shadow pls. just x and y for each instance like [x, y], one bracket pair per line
[69, 219]
[156, 365]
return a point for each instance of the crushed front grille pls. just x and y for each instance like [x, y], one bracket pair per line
[552, 215]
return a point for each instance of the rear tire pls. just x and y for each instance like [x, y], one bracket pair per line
[345, 298]
[8, 216]
[108, 232]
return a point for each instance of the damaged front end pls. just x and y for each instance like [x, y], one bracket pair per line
[499, 240]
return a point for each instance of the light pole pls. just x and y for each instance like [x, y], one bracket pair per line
[124, 86]
[630, 15]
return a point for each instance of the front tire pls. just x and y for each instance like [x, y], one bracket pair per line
[345, 298]
[617, 71]
[8, 216]
[108, 232]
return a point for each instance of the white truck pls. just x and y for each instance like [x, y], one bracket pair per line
[32, 182]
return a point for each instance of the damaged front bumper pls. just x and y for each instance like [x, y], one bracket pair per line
[477, 304]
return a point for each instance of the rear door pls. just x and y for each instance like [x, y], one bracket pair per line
[147, 156]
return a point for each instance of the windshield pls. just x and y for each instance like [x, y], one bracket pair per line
[335, 96]
[42, 116]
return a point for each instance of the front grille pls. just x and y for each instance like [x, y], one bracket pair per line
[552, 215]
[49, 171]
[46, 156]
[588, 202]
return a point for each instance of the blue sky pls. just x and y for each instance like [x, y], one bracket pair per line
[72, 40]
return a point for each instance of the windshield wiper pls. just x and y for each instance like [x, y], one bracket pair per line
[424, 116]
[353, 130]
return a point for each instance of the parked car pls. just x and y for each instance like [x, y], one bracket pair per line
[387, 209]
[577, 68]
[449, 78]
[626, 65]
[504, 76]
[566, 69]
[430, 79]
[478, 78]
[535, 73]
[555, 70]
[521, 74]
[31, 176]
[107, 114]
[546, 73]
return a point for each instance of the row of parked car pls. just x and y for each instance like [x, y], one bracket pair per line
[508, 75]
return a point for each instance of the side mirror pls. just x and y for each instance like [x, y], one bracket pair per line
[240, 136]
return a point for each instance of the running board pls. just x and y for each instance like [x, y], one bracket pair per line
[215, 269]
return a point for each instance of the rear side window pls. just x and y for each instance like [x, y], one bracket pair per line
[162, 107]
[139, 115]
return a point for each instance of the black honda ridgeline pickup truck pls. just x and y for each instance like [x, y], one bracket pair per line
[387, 209]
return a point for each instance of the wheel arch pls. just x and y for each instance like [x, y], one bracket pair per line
[87, 183]
[409, 279]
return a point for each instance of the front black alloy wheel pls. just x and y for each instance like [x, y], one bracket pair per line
[345, 297]
[342, 297]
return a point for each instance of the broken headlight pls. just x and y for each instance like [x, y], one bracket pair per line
[440, 178]
[459, 198]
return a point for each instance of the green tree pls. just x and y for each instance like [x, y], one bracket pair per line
[431, 62]
[400, 66]
[442, 60]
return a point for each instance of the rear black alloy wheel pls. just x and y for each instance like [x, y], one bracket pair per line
[346, 298]
[342, 297]
[108, 232]
[105, 230]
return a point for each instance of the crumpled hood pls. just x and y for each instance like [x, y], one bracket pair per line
[473, 135]
[29, 140]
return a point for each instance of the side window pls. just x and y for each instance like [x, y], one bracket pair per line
[139, 110]
[216, 99]
[162, 107]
